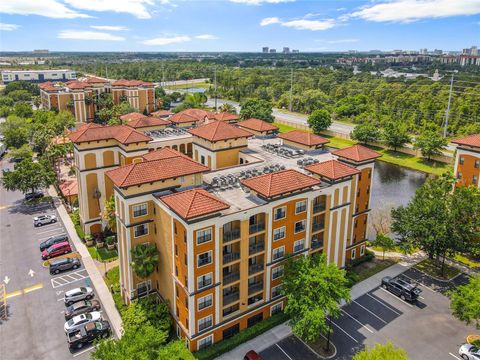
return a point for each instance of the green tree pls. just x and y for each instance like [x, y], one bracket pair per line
[227, 107]
[23, 109]
[257, 108]
[430, 143]
[108, 213]
[144, 259]
[41, 139]
[395, 134]
[465, 302]
[195, 100]
[384, 242]
[366, 132]
[319, 120]
[20, 95]
[28, 176]
[5, 111]
[314, 290]
[104, 100]
[175, 350]
[15, 131]
[6, 101]
[64, 120]
[22, 85]
[23, 152]
[37, 100]
[382, 352]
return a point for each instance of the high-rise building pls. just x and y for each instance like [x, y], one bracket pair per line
[423, 51]
[467, 160]
[273, 51]
[286, 50]
[265, 49]
[295, 51]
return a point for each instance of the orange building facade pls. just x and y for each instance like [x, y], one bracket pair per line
[467, 161]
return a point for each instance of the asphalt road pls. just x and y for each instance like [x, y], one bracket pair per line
[34, 326]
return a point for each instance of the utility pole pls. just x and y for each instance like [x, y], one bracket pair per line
[448, 107]
[291, 88]
[215, 86]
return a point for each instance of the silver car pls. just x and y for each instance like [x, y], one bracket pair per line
[469, 352]
[81, 293]
[44, 220]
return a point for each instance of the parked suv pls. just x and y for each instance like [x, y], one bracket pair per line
[56, 250]
[81, 307]
[44, 220]
[401, 288]
[57, 266]
[53, 240]
[78, 294]
[33, 195]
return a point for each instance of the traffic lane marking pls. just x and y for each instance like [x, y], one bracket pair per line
[49, 236]
[396, 297]
[24, 291]
[357, 321]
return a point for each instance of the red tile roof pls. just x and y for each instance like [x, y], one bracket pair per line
[257, 125]
[472, 140]
[147, 121]
[219, 130]
[357, 153]
[332, 169]
[154, 170]
[132, 116]
[49, 86]
[193, 203]
[131, 83]
[223, 116]
[164, 153]
[122, 133]
[161, 113]
[69, 187]
[96, 80]
[281, 182]
[75, 84]
[189, 115]
[303, 137]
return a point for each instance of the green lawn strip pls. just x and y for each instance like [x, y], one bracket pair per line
[102, 254]
[430, 267]
[473, 263]
[113, 278]
[379, 266]
[224, 346]
[202, 85]
[413, 162]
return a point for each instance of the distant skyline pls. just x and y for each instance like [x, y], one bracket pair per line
[238, 25]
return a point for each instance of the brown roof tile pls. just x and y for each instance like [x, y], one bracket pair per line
[161, 113]
[69, 187]
[303, 137]
[281, 182]
[257, 125]
[223, 116]
[219, 130]
[132, 116]
[332, 169]
[94, 132]
[472, 140]
[189, 115]
[75, 85]
[96, 80]
[147, 121]
[163, 153]
[193, 203]
[357, 153]
[132, 83]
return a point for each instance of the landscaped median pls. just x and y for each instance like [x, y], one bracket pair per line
[433, 269]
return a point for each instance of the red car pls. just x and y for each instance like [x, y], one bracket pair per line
[252, 355]
[56, 250]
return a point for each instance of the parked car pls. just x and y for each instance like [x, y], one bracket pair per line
[469, 352]
[56, 250]
[33, 195]
[401, 288]
[57, 266]
[252, 355]
[53, 240]
[88, 333]
[78, 294]
[77, 322]
[81, 307]
[44, 220]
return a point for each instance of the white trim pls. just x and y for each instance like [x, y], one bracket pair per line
[204, 229]
[278, 267]
[217, 274]
[278, 208]
[353, 254]
[206, 337]
[274, 287]
[140, 204]
[278, 249]
[304, 226]
[209, 263]
[362, 250]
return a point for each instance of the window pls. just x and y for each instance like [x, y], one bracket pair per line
[299, 245]
[202, 159]
[477, 164]
[182, 179]
[204, 280]
[474, 180]
[205, 323]
[275, 309]
[462, 160]
[205, 342]
[362, 250]
[276, 291]
[278, 253]
[140, 230]
[204, 258]
[459, 175]
[204, 302]
[204, 235]
[279, 213]
[300, 226]
[277, 272]
[279, 233]
[353, 254]
[300, 206]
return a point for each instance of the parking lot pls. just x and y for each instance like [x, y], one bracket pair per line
[34, 326]
[425, 329]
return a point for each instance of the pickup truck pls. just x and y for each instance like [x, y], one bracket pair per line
[88, 333]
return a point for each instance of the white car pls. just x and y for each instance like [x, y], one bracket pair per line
[44, 220]
[77, 322]
[81, 293]
[469, 352]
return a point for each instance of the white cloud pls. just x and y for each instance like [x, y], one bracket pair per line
[8, 27]
[413, 10]
[301, 24]
[137, 8]
[88, 35]
[167, 40]
[269, 21]
[109, 27]
[206, 37]
[260, 2]
[48, 8]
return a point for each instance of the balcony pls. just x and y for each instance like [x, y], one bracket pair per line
[255, 287]
[256, 248]
[229, 278]
[256, 228]
[230, 298]
[230, 310]
[228, 258]
[316, 244]
[317, 226]
[231, 235]
[255, 268]
[319, 207]
[298, 248]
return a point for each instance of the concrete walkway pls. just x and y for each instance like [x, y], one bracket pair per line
[282, 331]
[101, 289]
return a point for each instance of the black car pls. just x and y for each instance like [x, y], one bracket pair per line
[33, 195]
[53, 240]
[88, 333]
[402, 288]
[57, 266]
[81, 307]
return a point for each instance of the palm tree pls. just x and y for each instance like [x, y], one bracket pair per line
[196, 100]
[229, 108]
[108, 213]
[144, 260]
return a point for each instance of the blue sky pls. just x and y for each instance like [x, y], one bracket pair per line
[238, 25]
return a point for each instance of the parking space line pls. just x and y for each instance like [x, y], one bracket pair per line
[51, 230]
[363, 307]
[346, 333]
[456, 357]
[68, 278]
[351, 317]
[419, 283]
[283, 352]
[48, 237]
[391, 308]
[396, 297]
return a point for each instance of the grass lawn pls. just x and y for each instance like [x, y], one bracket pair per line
[320, 345]
[102, 254]
[202, 85]
[113, 278]
[367, 269]
[473, 263]
[430, 267]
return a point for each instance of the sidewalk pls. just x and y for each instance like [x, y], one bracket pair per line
[101, 289]
[282, 331]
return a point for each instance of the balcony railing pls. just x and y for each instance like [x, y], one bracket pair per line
[228, 299]
[256, 228]
[255, 287]
[316, 244]
[204, 325]
[231, 235]
[256, 248]
[255, 268]
[229, 278]
[227, 258]
[318, 207]
[298, 248]
[318, 226]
